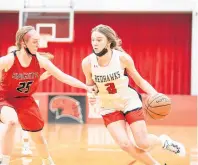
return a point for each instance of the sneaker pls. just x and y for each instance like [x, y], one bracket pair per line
[172, 145]
[26, 150]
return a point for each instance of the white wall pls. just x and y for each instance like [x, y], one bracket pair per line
[12, 5]
[133, 5]
[107, 5]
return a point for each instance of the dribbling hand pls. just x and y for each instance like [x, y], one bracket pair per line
[92, 89]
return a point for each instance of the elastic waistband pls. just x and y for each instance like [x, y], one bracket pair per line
[21, 96]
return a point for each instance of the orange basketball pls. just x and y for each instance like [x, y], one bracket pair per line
[158, 106]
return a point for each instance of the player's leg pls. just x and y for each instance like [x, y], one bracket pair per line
[9, 121]
[116, 125]
[31, 121]
[26, 150]
[26, 143]
[146, 141]
[41, 146]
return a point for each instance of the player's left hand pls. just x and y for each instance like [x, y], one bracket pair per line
[92, 89]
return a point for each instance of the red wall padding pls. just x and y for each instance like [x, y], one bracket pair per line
[8, 28]
[160, 45]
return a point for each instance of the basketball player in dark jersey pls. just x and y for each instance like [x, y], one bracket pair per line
[26, 150]
[20, 72]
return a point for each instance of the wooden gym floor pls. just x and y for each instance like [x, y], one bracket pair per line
[74, 144]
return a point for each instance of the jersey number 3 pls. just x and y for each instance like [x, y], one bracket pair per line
[24, 87]
[111, 88]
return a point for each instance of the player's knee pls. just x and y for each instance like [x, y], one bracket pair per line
[11, 124]
[143, 144]
[125, 145]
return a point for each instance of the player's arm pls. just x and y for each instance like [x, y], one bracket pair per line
[5, 62]
[47, 55]
[50, 57]
[128, 63]
[86, 67]
[58, 74]
[44, 75]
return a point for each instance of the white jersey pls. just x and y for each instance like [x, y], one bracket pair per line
[114, 91]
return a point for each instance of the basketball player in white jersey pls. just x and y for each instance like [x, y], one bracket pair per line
[118, 102]
[25, 137]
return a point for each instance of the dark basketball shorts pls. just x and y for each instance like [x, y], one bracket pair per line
[27, 111]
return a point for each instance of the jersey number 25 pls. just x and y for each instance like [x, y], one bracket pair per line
[24, 87]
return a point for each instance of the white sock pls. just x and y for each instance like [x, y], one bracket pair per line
[5, 159]
[26, 144]
[162, 140]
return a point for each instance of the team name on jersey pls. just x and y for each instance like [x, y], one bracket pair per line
[24, 76]
[106, 78]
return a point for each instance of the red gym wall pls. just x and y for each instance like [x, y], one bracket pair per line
[160, 45]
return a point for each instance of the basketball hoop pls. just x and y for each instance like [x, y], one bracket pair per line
[38, 13]
[44, 38]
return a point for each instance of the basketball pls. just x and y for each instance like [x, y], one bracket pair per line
[158, 106]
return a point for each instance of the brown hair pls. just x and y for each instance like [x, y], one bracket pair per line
[21, 33]
[111, 35]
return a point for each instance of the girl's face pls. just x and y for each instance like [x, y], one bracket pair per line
[33, 41]
[99, 41]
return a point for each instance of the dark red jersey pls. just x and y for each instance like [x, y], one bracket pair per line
[20, 81]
